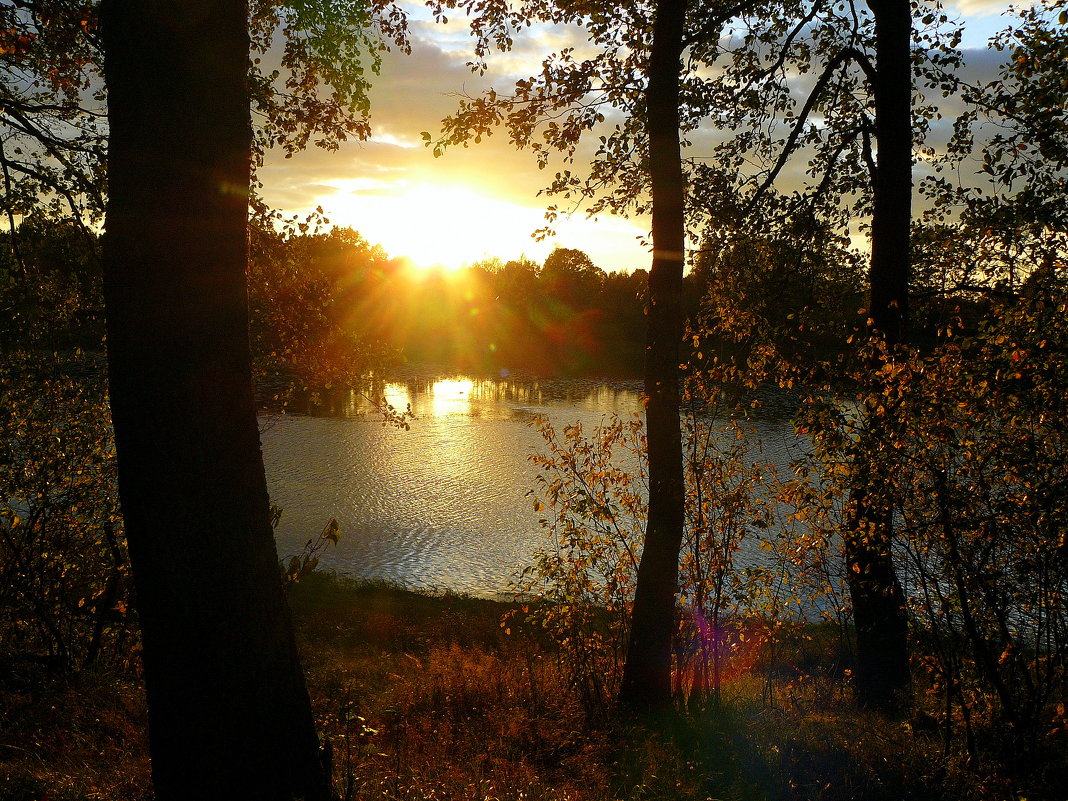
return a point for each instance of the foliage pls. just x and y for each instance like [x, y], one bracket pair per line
[308, 296]
[796, 290]
[722, 601]
[327, 307]
[309, 79]
[1016, 125]
[594, 488]
[52, 114]
[64, 577]
[983, 237]
[971, 457]
[788, 83]
[582, 583]
[564, 316]
[50, 286]
[984, 481]
[300, 566]
[319, 91]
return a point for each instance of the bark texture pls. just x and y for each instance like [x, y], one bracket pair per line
[647, 674]
[228, 710]
[878, 602]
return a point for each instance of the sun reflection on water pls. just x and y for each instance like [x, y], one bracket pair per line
[398, 396]
[450, 396]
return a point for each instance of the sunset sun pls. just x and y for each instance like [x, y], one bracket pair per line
[435, 225]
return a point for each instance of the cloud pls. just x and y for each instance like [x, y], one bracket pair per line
[413, 94]
[365, 184]
[984, 8]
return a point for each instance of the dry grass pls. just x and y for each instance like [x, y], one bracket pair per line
[79, 738]
[428, 698]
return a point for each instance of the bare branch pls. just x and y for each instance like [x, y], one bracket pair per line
[799, 126]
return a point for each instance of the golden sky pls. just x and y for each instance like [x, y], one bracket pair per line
[480, 201]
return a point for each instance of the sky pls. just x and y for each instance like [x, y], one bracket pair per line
[482, 201]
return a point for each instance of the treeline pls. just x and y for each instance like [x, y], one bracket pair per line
[331, 302]
[327, 306]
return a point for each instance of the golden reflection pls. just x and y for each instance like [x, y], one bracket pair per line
[451, 396]
[398, 396]
[459, 395]
[607, 399]
[505, 391]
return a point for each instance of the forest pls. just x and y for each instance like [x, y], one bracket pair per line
[843, 219]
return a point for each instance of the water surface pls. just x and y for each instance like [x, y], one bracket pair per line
[443, 505]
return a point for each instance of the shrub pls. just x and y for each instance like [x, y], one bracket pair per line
[64, 575]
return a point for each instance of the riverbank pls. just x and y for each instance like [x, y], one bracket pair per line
[431, 697]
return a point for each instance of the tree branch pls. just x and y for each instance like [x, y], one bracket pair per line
[717, 22]
[15, 248]
[799, 125]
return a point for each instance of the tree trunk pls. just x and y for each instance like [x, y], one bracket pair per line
[878, 601]
[229, 715]
[892, 212]
[647, 674]
[882, 675]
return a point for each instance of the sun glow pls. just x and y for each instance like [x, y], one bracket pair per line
[436, 225]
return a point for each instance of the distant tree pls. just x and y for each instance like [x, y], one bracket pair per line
[570, 262]
[319, 305]
[514, 286]
[571, 275]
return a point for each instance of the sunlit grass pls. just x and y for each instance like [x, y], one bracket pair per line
[425, 697]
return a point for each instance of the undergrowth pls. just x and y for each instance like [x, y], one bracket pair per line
[431, 697]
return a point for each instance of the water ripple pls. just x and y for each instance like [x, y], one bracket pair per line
[441, 506]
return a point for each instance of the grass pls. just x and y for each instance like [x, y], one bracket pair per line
[427, 697]
[81, 737]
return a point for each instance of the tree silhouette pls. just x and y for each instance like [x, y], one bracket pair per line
[878, 601]
[228, 711]
[647, 673]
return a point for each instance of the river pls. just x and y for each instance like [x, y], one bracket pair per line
[444, 505]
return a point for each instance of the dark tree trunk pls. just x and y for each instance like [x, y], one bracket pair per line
[892, 212]
[882, 674]
[647, 674]
[878, 602]
[229, 714]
